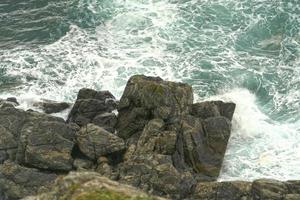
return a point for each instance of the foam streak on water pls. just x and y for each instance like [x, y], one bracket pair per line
[242, 51]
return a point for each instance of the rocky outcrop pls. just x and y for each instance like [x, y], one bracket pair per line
[171, 142]
[161, 141]
[89, 105]
[91, 186]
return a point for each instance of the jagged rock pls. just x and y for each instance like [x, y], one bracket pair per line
[17, 182]
[89, 104]
[46, 142]
[94, 141]
[208, 109]
[170, 140]
[107, 121]
[146, 98]
[155, 173]
[50, 107]
[88, 186]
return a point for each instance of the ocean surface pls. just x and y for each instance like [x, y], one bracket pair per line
[245, 51]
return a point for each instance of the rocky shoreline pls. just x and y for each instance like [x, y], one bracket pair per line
[159, 142]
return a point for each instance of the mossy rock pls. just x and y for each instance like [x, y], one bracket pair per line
[91, 186]
[104, 194]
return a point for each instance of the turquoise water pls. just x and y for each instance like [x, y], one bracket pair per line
[246, 51]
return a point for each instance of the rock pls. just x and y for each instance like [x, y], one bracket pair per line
[208, 109]
[17, 182]
[268, 189]
[292, 197]
[81, 164]
[50, 107]
[7, 144]
[94, 142]
[146, 98]
[13, 100]
[46, 142]
[107, 121]
[89, 104]
[235, 190]
[293, 186]
[154, 173]
[89, 185]
[11, 123]
[9, 102]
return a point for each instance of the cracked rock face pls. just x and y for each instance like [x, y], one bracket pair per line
[146, 98]
[46, 142]
[95, 141]
[89, 104]
[17, 181]
[171, 142]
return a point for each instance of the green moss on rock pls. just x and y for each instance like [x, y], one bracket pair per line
[104, 194]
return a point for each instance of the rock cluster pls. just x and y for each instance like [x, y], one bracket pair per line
[160, 141]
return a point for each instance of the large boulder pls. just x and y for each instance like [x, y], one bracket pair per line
[89, 104]
[95, 141]
[46, 142]
[17, 182]
[88, 186]
[146, 98]
[35, 139]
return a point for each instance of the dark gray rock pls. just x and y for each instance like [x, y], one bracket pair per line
[89, 104]
[13, 100]
[107, 121]
[94, 142]
[146, 98]
[17, 182]
[46, 142]
[50, 107]
[208, 109]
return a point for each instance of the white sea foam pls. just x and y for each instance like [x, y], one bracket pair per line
[259, 147]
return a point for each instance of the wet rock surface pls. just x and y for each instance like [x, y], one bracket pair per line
[50, 107]
[160, 142]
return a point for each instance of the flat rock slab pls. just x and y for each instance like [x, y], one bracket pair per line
[95, 141]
